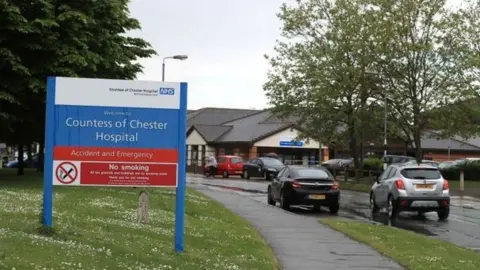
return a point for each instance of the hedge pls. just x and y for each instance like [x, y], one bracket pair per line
[471, 171]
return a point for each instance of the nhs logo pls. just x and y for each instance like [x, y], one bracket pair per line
[166, 91]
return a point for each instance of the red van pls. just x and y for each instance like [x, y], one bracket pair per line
[229, 165]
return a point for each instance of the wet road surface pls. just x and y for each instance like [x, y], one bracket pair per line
[462, 227]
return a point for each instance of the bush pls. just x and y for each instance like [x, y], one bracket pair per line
[471, 171]
[373, 164]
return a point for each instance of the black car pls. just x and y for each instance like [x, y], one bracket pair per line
[265, 167]
[313, 186]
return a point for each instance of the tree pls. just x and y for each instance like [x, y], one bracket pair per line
[61, 38]
[322, 70]
[421, 58]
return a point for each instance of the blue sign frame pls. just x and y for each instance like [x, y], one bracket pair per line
[50, 140]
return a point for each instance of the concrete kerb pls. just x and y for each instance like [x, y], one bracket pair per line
[236, 188]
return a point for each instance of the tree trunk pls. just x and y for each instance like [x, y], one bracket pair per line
[29, 156]
[20, 165]
[354, 148]
[418, 145]
[41, 156]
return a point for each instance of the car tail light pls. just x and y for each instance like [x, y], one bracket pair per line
[295, 184]
[445, 184]
[335, 185]
[399, 184]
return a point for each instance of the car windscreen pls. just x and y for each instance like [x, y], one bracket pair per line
[421, 173]
[272, 162]
[314, 173]
[236, 160]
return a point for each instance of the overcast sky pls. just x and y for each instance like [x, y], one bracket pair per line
[225, 41]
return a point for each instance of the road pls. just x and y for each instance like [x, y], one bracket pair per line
[462, 227]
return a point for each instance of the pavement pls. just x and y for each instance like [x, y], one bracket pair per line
[299, 242]
[462, 228]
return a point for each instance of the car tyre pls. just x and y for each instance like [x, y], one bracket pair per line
[270, 199]
[225, 174]
[443, 214]
[334, 208]
[373, 204]
[284, 203]
[392, 208]
[245, 175]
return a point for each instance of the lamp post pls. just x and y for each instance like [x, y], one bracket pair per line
[180, 57]
[385, 120]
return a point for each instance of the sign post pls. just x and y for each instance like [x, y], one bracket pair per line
[116, 133]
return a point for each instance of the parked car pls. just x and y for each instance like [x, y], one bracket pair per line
[411, 187]
[333, 164]
[427, 162]
[265, 167]
[394, 159]
[444, 165]
[14, 163]
[229, 165]
[295, 185]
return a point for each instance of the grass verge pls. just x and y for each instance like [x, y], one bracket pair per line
[96, 228]
[411, 250]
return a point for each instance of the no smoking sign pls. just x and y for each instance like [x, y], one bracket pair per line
[66, 173]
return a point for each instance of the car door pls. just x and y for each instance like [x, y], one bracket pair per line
[276, 183]
[386, 183]
[261, 168]
[378, 191]
[252, 167]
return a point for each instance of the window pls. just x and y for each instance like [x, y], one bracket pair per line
[393, 171]
[385, 174]
[314, 173]
[282, 173]
[236, 160]
[421, 173]
[272, 162]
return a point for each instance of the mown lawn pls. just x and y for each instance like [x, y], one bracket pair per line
[412, 251]
[96, 228]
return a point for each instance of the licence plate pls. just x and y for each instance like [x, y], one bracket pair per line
[317, 197]
[239, 172]
[424, 186]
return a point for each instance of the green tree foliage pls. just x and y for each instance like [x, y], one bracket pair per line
[422, 59]
[322, 70]
[60, 38]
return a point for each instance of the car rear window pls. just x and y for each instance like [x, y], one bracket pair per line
[421, 173]
[314, 173]
[236, 160]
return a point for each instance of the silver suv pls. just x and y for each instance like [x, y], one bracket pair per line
[411, 187]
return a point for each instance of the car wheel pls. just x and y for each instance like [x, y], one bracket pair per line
[284, 203]
[270, 199]
[245, 175]
[443, 213]
[373, 204]
[266, 175]
[334, 208]
[392, 208]
[225, 174]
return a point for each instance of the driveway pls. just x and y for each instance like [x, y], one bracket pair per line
[462, 228]
[300, 242]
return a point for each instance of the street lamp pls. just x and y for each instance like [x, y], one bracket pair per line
[180, 57]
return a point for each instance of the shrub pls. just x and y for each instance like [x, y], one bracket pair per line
[471, 171]
[373, 164]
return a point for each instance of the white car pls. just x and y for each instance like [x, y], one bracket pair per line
[411, 187]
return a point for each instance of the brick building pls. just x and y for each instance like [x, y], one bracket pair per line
[252, 133]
